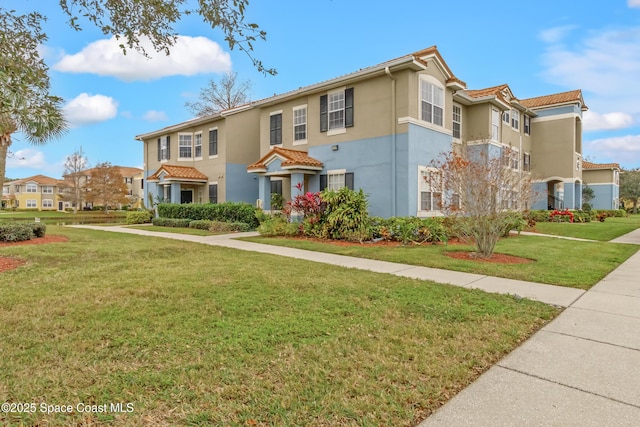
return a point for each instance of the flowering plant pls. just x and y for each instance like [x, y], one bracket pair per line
[561, 216]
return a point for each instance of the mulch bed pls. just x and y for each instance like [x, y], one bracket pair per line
[9, 263]
[471, 256]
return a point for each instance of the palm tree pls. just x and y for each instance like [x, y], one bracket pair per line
[25, 103]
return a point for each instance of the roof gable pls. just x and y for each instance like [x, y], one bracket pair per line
[178, 173]
[290, 159]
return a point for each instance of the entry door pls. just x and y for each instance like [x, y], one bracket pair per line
[60, 206]
[186, 196]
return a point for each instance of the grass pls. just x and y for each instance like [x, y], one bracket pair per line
[177, 230]
[191, 334]
[63, 217]
[556, 261]
[601, 231]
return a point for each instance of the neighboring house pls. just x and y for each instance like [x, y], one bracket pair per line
[37, 192]
[604, 179]
[203, 160]
[378, 129]
[132, 178]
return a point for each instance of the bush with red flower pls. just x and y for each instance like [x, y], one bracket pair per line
[561, 216]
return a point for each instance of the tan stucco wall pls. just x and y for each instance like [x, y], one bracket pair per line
[598, 176]
[553, 151]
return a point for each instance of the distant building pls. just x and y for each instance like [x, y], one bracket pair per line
[604, 179]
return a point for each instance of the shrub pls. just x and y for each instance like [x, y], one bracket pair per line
[538, 216]
[582, 216]
[229, 227]
[171, 222]
[225, 212]
[138, 217]
[514, 221]
[345, 216]
[39, 229]
[16, 232]
[200, 224]
[277, 225]
[410, 229]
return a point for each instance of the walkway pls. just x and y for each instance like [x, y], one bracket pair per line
[582, 369]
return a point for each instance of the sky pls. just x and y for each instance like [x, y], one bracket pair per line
[537, 48]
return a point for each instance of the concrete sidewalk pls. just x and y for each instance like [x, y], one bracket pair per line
[582, 369]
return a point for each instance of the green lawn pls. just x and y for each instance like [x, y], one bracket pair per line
[191, 334]
[556, 261]
[177, 230]
[602, 231]
[54, 216]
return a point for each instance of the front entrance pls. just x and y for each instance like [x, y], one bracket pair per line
[60, 206]
[186, 196]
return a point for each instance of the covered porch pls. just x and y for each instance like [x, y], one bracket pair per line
[178, 184]
[283, 174]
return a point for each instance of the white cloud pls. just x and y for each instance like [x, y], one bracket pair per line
[27, 158]
[189, 56]
[633, 3]
[87, 109]
[623, 149]
[556, 34]
[607, 121]
[155, 116]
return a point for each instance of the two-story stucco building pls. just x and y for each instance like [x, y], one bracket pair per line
[378, 129]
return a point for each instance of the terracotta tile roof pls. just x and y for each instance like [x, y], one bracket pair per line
[490, 91]
[178, 172]
[572, 96]
[290, 158]
[39, 179]
[589, 165]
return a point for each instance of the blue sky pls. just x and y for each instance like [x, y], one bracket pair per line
[537, 48]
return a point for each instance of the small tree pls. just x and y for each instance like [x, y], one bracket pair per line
[587, 196]
[229, 93]
[482, 190]
[72, 190]
[630, 187]
[106, 186]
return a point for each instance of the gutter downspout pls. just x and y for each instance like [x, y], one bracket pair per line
[394, 195]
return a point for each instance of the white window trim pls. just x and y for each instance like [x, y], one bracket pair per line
[515, 124]
[306, 123]
[420, 212]
[185, 159]
[495, 125]
[163, 140]
[194, 145]
[339, 130]
[34, 186]
[47, 187]
[47, 200]
[336, 172]
[456, 139]
[215, 156]
[432, 80]
[35, 204]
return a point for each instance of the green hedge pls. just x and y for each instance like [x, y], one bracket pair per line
[171, 222]
[138, 217]
[224, 212]
[18, 232]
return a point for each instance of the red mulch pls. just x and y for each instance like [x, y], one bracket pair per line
[471, 256]
[9, 263]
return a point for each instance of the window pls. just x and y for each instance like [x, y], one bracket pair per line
[166, 193]
[184, 146]
[32, 188]
[47, 203]
[337, 179]
[515, 119]
[336, 110]
[213, 142]
[578, 164]
[213, 193]
[457, 116]
[32, 203]
[47, 189]
[505, 117]
[495, 125]
[275, 129]
[5, 189]
[300, 124]
[527, 125]
[431, 103]
[430, 185]
[515, 160]
[197, 144]
[164, 148]
[526, 162]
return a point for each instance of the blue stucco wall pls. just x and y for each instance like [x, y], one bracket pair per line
[424, 146]
[605, 194]
[369, 160]
[567, 109]
[240, 185]
[539, 196]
